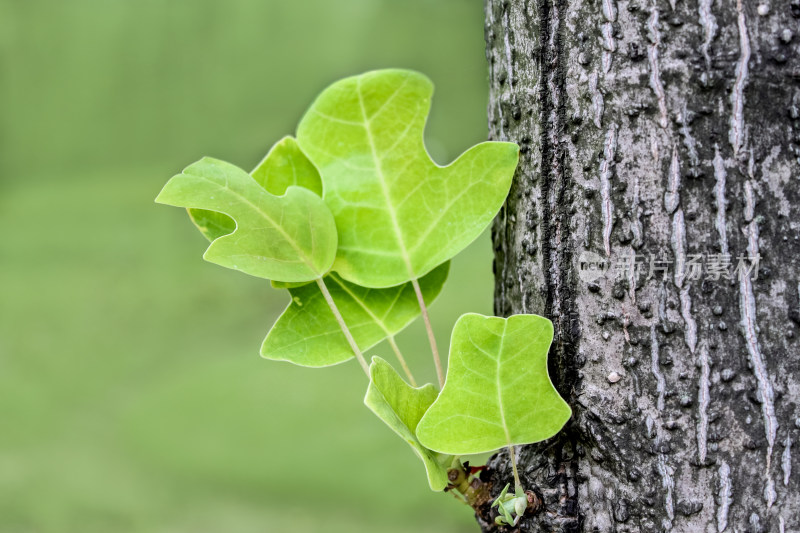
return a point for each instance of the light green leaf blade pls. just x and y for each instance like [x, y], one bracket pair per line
[214, 225]
[398, 213]
[211, 224]
[307, 333]
[286, 238]
[401, 407]
[286, 165]
[498, 392]
[283, 166]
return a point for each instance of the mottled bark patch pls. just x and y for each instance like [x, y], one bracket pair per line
[668, 130]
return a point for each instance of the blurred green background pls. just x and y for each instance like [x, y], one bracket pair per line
[132, 396]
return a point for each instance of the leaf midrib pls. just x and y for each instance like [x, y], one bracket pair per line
[363, 305]
[381, 177]
[497, 381]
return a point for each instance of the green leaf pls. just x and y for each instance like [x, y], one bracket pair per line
[211, 224]
[401, 406]
[497, 392]
[398, 213]
[286, 238]
[308, 334]
[214, 225]
[286, 165]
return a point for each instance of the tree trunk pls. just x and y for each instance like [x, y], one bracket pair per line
[667, 131]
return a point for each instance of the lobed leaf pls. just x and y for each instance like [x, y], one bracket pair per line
[284, 165]
[398, 213]
[308, 334]
[288, 238]
[401, 407]
[498, 392]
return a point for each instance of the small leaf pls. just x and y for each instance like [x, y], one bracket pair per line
[286, 165]
[286, 238]
[497, 392]
[398, 213]
[308, 334]
[211, 224]
[401, 406]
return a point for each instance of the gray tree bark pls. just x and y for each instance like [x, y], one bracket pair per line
[661, 129]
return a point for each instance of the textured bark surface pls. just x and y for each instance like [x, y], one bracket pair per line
[666, 129]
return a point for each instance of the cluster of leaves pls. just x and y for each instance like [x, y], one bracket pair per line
[357, 222]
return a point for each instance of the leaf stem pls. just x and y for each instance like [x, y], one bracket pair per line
[513, 458]
[343, 325]
[431, 338]
[402, 360]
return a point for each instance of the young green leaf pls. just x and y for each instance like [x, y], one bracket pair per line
[286, 165]
[398, 213]
[308, 334]
[283, 166]
[498, 392]
[401, 406]
[211, 224]
[286, 238]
